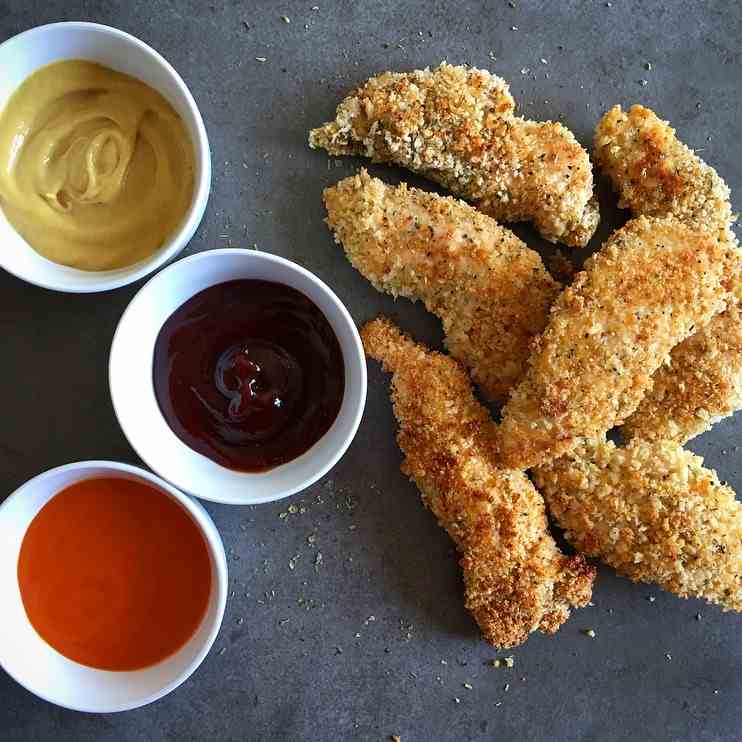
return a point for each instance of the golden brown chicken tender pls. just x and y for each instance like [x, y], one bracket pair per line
[656, 174]
[516, 579]
[700, 385]
[456, 126]
[653, 512]
[492, 293]
[653, 283]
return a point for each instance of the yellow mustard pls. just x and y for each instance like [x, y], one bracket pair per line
[96, 168]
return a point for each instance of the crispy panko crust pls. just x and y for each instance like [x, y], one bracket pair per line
[516, 579]
[653, 283]
[456, 126]
[700, 385]
[491, 292]
[653, 512]
[655, 174]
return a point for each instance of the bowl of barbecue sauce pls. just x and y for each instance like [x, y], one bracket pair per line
[238, 375]
[249, 373]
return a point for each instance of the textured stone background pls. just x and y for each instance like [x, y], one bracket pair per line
[298, 656]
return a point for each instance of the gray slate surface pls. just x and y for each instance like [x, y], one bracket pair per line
[653, 672]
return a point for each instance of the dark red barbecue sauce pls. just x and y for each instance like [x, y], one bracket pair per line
[249, 373]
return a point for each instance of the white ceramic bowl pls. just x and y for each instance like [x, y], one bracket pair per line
[133, 395]
[22, 55]
[26, 657]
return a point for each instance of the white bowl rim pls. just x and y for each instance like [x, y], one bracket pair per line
[202, 187]
[215, 547]
[357, 347]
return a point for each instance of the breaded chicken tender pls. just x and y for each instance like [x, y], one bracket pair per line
[701, 384]
[516, 579]
[653, 512]
[492, 293]
[457, 126]
[653, 283]
[656, 174]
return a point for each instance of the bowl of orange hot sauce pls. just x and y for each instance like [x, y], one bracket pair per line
[114, 585]
[237, 375]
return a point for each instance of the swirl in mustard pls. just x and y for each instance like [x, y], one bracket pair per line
[96, 167]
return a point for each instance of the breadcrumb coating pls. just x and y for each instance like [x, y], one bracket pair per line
[516, 579]
[653, 512]
[653, 283]
[456, 126]
[701, 384]
[656, 174]
[490, 290]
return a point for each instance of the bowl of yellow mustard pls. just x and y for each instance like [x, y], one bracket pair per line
[105, 168]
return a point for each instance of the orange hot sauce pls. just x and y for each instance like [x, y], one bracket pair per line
[114, 574]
